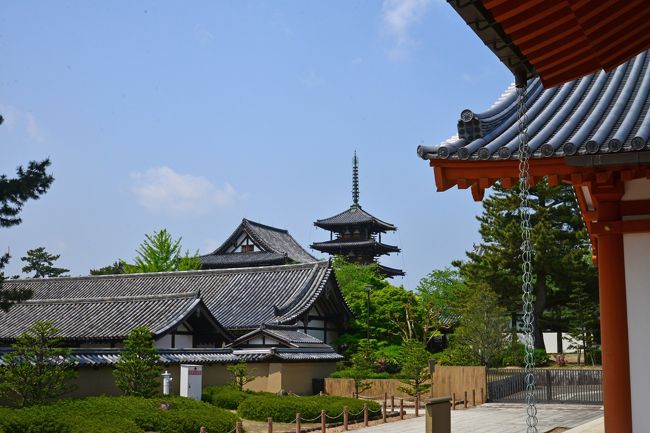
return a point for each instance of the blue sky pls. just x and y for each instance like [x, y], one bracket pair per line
[191, 118]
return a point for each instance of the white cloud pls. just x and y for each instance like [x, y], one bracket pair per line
[398, 17]
[21, 121]
[162, 189]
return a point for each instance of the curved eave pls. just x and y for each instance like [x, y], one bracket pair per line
[390, 272]
[604, 113]
[343, 246]
[559, 41]
[355, 216]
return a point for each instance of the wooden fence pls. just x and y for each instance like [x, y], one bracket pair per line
[465, 383]
[378, 388]
[462, 382]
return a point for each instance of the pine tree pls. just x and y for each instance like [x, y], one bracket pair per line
[161, 253]
[37, 370]
[137, 370]
[29, 184]
[559, 240]
[41, 263]
[414, 373]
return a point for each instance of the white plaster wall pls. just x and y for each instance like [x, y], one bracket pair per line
[637, 281]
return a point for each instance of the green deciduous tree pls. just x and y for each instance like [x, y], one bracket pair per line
[415, 373]
[29, 184]
[241, 375]
[37, 369]
[395, 313]
[481, 337]
[559, 241]
[582, 312]
[161, 253]
[41, 263]
[137, 370]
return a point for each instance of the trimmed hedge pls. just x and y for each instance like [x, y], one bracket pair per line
[117, 415]
[225, 397]
[284, 408]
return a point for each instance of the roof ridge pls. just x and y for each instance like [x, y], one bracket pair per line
[194, 295]
[250, 269]
[266, 226]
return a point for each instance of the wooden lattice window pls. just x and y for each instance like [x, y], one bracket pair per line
[247, 248]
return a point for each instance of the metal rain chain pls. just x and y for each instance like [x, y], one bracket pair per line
[527, 258]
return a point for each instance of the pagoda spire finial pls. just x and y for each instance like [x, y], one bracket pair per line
[355, 179]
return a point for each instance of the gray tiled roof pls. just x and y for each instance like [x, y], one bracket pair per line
[242, 298]
[107, 357]
[256, 258]
[603, 113]
[103, 318]
[288, 354]
[278, 246]
[289, 335]
[355, 215]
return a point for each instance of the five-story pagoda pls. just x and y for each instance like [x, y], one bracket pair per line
[355, 234]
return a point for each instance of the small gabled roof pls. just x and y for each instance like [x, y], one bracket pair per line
[600, 114]
[289, 336]
[277, 246]
[106, 318]
[354, 216]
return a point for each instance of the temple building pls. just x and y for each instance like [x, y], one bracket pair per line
[588, 128]
[255, 244]
[355, 234]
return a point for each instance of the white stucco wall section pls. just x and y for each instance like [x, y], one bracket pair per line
[637, 282]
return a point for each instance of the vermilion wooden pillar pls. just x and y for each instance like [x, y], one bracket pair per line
[613, 325]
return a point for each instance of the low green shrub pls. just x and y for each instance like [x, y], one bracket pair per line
[118, 415]
[514, 356]
[284, 408]
[225, 397]
[348, 373]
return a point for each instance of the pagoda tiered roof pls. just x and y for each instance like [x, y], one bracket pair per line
[341, 246]
[354, 216]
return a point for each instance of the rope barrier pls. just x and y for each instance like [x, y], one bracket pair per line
[310, 420]
[333, 417]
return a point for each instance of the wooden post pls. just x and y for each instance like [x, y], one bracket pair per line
[345, 418]
[473, 398]
[465, 400]
[202, 430]
[392, 403]
[238, 428]
[482, 396]
[453, 401]
[401, 408]
[384, 411]
[323, 421]
[298, 422]
[270, 421]
[365, 415]
[385, 397]
[417, 404]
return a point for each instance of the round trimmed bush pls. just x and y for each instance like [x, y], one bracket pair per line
[284, 408]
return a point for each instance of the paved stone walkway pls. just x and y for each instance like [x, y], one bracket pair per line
[500, 418]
